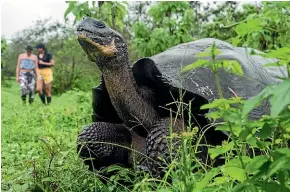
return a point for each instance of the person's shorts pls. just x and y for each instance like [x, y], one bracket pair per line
[46, 75]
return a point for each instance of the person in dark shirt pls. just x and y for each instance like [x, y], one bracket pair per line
[45, 63]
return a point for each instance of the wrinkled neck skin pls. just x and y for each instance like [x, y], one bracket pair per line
[122, 88]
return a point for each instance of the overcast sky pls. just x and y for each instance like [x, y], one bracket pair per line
[20, 14]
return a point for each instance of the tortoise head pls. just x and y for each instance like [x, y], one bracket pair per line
[101, 43]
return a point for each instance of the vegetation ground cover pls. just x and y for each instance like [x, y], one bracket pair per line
[38, 142]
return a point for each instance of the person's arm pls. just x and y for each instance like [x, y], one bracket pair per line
[36, 68]
[18, 69]
[50, 63]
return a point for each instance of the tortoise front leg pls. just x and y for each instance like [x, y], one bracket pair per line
[101, 144]
[158, 144]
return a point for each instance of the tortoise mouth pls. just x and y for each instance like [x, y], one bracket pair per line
[94, 43]
[84, 34]
[90, 35]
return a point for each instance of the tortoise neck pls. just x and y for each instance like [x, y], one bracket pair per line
[119, 69]
[120, 79]
[123, 92]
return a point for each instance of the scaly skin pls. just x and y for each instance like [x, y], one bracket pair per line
[108, 50]
[113, 61]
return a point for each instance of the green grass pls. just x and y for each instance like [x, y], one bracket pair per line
[39, 153]
[39, 142]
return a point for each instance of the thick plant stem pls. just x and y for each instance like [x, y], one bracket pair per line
[217, 79]
[236, 145]
[232, 133]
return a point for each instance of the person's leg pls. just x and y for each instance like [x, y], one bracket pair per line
[47, 81]
[48, 92]
[31, 97]
[31, 85]
[39, 88]
[23, 97]
[22, 82]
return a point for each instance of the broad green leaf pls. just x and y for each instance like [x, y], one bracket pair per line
[282, 52]
[208, 52]
[70, 7]
[236, 40]
[263, 144]
[206, 179]
[279, 164]
[222, 103]
[214, 152]
[232, 66]
[204, 54]
[265, 131]
[241, 187]
[214, 115]
[219, 181]
[214, 104]
[198, 63]
[280, 98]
[236, 129]
[252, 103]
[233, 116]
[249, 26]
[114, 168]
[256, 100]
[245, 133]
[274, 186]
[285, 151]
[217, 51]
[75, 10]
[252, 141]
[236, 161]
[235, 172]
[256, 163]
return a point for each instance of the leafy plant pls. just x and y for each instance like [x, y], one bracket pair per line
[261, 169]
[267, 29]
[3, 63]
[112, 13]
[38, 143]
[170, 24]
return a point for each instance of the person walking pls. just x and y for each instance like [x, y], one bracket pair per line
[27, 67]
[45, 63]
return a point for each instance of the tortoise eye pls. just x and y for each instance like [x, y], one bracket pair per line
[99, 24]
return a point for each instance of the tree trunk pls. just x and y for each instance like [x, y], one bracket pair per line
[100, 4]
[114, 15]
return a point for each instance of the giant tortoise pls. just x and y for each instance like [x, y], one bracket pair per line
[134, 105]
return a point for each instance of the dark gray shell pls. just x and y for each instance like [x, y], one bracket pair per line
[201, 80]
